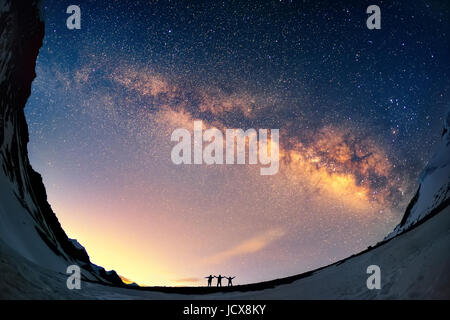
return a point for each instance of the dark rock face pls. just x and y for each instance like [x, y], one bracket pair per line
[21, 35]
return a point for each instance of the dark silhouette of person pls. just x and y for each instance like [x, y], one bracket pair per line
[230, 282]
[210, 277]
[219, 280]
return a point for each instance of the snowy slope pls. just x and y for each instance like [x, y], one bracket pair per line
[433, 193]
[27, 222]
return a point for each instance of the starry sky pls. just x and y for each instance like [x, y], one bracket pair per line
[359, 112]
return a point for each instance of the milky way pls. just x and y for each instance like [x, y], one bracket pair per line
[358, 111]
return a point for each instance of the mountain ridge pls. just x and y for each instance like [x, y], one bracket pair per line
[20, 40]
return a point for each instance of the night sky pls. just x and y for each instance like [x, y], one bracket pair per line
[359, 112]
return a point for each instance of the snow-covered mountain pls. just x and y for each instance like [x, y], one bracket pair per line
[27, 222]
[433, 194]
[35, 251]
